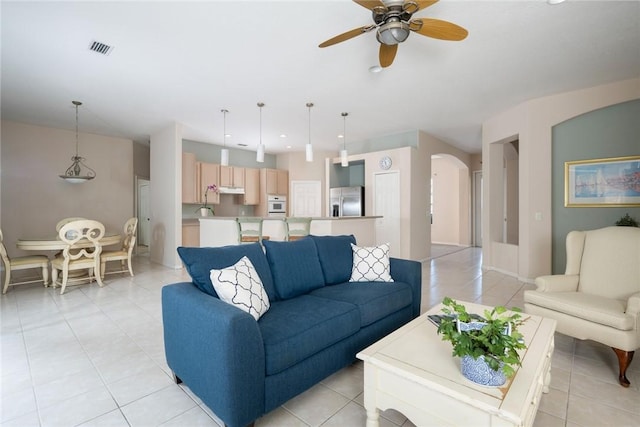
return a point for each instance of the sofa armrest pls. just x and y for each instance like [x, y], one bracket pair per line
[633, 304]
[558, 283]
[409, 271]
[217, 350]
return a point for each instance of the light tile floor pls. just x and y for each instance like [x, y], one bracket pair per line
[94, 357]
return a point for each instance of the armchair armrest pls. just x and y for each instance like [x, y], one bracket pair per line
[217, 350]
[633, 304]
[409, 271]
[558, 283]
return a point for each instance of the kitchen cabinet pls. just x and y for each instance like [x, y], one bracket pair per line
[232, 176]
[209, 173]
[251, 194]
[277, 182]
[191, 235]
[189, 181]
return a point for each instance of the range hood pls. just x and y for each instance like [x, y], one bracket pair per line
[230, 190]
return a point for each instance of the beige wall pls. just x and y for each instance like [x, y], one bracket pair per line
[34, 198]
[532, 123]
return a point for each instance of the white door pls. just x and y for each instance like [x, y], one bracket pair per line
[144, 217]
[306, 198]
[386, 195]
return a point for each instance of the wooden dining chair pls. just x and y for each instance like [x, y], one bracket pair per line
[82, 252]
[124, 254]
[22, 263]
[66, 221]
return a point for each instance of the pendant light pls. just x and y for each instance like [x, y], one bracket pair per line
[309, 147]
[260, 152]
[343, 153]
[74, 173]
[224, 153]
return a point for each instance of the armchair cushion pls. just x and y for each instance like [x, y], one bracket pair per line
[606, 311]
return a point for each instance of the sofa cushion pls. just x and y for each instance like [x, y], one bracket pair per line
[375, 300]
[594, 308]
[371, 264]
[336, 257]
[200, 261]
[240, 286]
[297, 328]
[295, 267]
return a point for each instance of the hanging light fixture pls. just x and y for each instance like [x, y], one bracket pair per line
[343, 153]
[309, 147]
[224, 153]
[260, 152]
[75, 173]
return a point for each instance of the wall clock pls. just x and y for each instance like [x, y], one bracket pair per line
[385, 162]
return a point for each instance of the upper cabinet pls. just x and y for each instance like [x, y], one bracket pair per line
[232, 176]
[189, 181]
[251, 194]
[277, 182]
[209, 174]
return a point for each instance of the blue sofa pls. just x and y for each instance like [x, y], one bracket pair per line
[317, 322]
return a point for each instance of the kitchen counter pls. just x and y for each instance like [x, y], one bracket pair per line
[221, 231]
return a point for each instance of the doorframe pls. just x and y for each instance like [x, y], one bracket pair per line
[139, 181]
[476, 210]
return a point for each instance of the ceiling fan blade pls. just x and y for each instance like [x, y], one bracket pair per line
[387, 54]
[370, 4]
[439, 29]
[346, 36]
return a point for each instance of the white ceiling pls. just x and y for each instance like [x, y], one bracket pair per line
[184, 62]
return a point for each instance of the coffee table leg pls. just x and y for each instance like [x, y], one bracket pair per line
[373, 417]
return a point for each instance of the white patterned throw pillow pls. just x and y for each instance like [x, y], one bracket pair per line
[371, 264]
[241, 286]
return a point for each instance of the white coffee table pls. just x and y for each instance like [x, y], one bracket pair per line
[412, 371]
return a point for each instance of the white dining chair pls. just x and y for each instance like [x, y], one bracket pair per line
[82, 252]
[66, 221]
[22, 263]
[124, 254]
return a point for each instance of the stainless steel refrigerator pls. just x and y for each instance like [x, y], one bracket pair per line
[347, 201]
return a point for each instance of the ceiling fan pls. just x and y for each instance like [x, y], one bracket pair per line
[393, 21]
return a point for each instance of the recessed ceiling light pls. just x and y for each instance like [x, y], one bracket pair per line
[340, 136]
[375, 69]
[228, 135]
[288, 147]
[553, 2]
[283, 135]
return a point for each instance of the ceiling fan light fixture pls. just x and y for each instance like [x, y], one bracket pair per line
[393, 32]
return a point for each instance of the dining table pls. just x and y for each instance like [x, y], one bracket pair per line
[53, 242]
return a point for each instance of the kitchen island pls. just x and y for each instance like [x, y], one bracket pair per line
[222, 231]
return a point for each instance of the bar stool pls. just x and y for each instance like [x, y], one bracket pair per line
[297, 227]
[250, 229]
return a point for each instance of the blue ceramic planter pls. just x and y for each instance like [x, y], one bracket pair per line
[479, 372]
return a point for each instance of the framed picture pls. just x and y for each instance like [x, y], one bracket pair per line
[610, 182]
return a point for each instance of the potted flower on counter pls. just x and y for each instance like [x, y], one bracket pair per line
[488, 346]
[205, 208]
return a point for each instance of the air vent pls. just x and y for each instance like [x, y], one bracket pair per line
[101, 48]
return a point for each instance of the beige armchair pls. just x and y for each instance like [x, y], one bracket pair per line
[598, 297]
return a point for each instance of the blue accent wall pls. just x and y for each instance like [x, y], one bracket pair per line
[608, 132]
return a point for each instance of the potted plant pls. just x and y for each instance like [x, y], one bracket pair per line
[205, 208]
[488, 346]
[627, 221]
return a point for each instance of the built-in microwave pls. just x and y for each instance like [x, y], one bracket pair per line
[276, 205]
